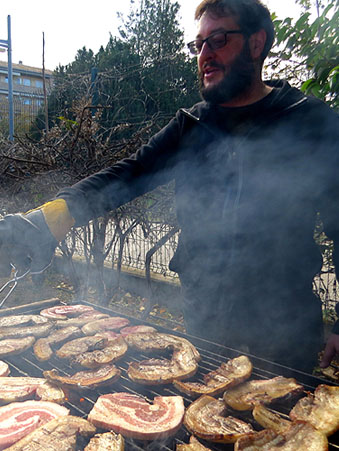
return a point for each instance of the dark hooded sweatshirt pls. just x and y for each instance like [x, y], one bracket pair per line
[250, 183]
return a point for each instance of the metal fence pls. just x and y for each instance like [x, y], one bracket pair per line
[26, 109]
[136, 247]
[138, 244]
[325, 284]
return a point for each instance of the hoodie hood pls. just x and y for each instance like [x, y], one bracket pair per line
[281, 99]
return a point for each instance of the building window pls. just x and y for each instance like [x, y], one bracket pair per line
[26, 82]
[18, 80]
[27, 102]
[39, 102]
[38, 84]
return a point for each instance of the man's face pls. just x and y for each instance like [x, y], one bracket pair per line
[225, 73]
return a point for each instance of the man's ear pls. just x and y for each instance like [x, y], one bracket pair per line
[257, 43]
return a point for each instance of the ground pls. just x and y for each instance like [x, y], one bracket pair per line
[56, 286]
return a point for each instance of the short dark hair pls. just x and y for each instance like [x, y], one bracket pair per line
[251, 16]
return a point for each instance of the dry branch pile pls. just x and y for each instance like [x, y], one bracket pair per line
[32, 172]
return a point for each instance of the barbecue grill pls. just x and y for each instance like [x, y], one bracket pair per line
[80, 403]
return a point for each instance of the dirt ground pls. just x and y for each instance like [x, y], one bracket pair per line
[57, 286]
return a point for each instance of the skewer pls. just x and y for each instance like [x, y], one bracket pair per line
[16, 278]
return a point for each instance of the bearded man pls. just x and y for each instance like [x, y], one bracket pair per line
[254, 164]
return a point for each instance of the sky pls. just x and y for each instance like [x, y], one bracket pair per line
[70, 25]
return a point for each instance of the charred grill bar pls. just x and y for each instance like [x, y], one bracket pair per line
[80, 403]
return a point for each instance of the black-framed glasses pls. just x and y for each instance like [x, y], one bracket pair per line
[214, 41]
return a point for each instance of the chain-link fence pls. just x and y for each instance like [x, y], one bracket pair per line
[25, 110]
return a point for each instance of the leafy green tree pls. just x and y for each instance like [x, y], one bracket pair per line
[84, 61]
[153, 29]
[143, 75]
[168, 78]
[307, 49]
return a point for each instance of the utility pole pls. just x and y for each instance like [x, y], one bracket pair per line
[44, 85]
[8, 45]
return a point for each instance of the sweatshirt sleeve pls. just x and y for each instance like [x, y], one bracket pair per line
[151, 166]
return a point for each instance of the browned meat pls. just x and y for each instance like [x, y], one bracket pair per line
[136, 330]
[320, 409]
[251, 393]
[300, 437]
[100, 325]
[184, 362]
[42, 347]
[257, 441]
[155, 341]
[59, 434]
[194, 445]
[81, 320]
[80, 345]
[206, 418]
[19, 320]
[133, 417]
[65, 311]
[4, 369]
[109, 334]
[40, 330]
[16, 389]
[112, 351]
[270, 420]
[21, 388]
[159, 371]
[109, 441]
[13, 346]
[226, 376]
[104, 375]
[20, 418]
[50, 392]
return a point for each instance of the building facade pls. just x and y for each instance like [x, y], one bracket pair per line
[28, 95]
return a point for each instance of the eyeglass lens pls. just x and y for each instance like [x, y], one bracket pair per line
[214, 41]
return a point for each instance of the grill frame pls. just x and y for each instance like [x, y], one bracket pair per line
[212, 355]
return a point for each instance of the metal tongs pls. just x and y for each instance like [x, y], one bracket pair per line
[15, 279]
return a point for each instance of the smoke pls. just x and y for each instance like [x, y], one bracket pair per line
[248, 186]
[247, 256]
[246, 191]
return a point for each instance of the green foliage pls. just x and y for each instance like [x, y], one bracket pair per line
[84, 61]
[310, 47]
[143, 75]
[153, 29]
[69, 124]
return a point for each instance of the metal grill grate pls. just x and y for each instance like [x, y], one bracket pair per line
[80, 403]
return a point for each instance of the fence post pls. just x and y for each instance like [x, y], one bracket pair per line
[44, 85]
[8, 44]
[94, 89]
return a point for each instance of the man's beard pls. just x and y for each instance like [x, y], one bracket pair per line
[237, 79]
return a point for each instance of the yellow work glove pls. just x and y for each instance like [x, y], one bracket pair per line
[29, 240]
[57, 217]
